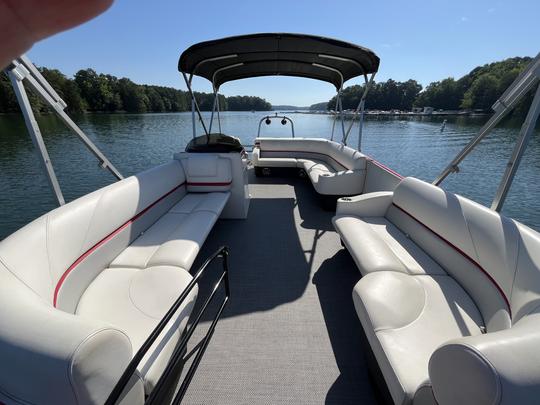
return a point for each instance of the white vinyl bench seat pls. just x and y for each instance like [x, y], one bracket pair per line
[176, 238]
[450, 295]
[82, 287]
[333, 169]
[134, 300]
[376, 244]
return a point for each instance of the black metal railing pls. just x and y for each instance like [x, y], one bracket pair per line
[158, 393]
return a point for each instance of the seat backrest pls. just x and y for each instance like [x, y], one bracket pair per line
[346, 156]
[478, 247]
[526, 287]
[59, 254]
[339, 156]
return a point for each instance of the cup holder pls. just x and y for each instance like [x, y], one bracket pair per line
[346, 199]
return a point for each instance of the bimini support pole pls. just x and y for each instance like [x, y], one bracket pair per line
[335, 118]
[215, 109]
[527, 129]
[360, 111]
[194, 101]
[212, 113]
[506, 103]
[342, 116]
[218, 110]
[193, 118]
[35, 134]
[23, 69]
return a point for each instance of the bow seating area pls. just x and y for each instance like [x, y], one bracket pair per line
[334, 169]
[450, 295]
[82, 287]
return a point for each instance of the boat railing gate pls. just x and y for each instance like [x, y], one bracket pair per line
[268, 120]
[22, 69]
[163, 388]
[522, 85]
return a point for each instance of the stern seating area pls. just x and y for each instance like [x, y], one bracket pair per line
[449, 298]
[82, 287]
[334, 169]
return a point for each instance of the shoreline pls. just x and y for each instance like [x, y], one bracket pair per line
[396, 113]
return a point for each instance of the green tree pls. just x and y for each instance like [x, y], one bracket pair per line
[446, 94]
[483, 93]
[66, 89]
[133, 96]
[8, 101]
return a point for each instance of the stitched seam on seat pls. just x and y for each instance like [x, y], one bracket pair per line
[465, 255]
[365, 311]
[90, 224]
[167, 239]
[471, 236]
[74, 353]
[394, 251]
[519, 248]
[5, 264]
[380, 238]
[415, 319]
[135, 305]
[206, 210]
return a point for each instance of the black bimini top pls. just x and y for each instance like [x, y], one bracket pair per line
[314, 57]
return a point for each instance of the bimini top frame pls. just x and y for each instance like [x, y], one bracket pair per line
[23, 70]
[526, 82]
[245, 56]
[278, 54]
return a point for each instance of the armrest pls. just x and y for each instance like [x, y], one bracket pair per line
[339, 183]
[64, 358]
[365, 205]
[495, 368]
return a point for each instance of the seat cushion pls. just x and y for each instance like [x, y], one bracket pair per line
[195, 202]
[406, 318]
[314, 164]
[276, 162]
[377, 245]
[176, 238]
[135, 300]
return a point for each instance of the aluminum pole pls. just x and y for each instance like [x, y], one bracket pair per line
[194, 100]
[527, 129]
[212, 114]
[35, 134]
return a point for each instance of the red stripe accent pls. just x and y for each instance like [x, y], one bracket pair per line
[106, 239]
[303, 151]
[462, 253]
[202, 184]
[377, 163]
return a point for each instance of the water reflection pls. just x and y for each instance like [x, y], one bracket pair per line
[134, 142]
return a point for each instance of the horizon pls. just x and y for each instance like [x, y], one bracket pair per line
[131, 40]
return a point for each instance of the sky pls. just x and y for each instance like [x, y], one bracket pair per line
[421, 40]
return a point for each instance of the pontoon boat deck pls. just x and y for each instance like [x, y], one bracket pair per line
[302, 272]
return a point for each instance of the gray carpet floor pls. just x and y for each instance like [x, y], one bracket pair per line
[289, 334]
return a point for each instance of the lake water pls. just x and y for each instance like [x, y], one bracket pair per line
[413, 147]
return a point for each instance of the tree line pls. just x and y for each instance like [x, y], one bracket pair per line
[477, 90]
[89, 91]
